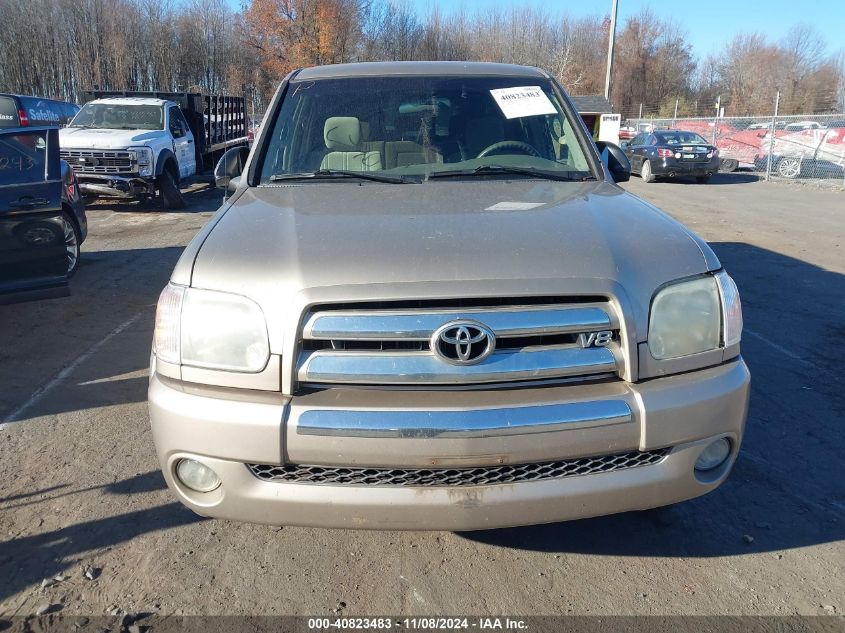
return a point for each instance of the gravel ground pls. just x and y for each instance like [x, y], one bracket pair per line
[82, 492]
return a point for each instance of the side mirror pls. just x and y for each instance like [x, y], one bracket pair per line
[228, 170]
[617, 163]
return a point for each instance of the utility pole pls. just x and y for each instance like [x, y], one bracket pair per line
[772, 137]
[611, 42]
[716, 118]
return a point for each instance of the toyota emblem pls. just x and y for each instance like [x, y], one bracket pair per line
[463, 342]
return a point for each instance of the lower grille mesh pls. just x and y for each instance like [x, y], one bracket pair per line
[478, 476]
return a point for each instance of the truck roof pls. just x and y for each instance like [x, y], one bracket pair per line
[131, 101]
[465, 69]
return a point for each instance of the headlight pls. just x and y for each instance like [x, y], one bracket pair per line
[143, 156]
[694, 316]
[686, 319]
[206, 328]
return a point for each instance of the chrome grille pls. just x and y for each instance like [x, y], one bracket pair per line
[384, 346]
[478, 476]
[98, 161]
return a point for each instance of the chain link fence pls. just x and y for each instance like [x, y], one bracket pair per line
[809, 147]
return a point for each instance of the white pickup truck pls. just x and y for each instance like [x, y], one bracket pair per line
[137, 145]
[131, 147]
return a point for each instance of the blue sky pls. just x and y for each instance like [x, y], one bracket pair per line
[709, 24]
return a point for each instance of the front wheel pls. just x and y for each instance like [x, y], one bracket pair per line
[645, 172]
[72, 241]
[170, 194]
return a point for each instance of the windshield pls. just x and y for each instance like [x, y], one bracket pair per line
[112, 116]
[416, 127]
[678, 138]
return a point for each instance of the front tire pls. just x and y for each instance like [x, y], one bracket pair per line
[645, 172]
[170, 194]
[72, 241]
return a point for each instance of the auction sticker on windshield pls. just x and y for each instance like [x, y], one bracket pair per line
[522, 101]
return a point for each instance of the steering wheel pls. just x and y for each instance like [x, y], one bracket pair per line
[523, 147]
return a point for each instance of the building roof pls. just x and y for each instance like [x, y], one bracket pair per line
[592, 104]
[370, 69]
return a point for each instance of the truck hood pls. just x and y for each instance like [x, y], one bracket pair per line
[297, 244]
[77, 137]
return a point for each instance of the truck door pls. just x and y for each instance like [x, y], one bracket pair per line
[32, 243]
[183, 143]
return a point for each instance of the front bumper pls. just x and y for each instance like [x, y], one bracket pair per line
[114, 186]
[226, 429]
[78, 206]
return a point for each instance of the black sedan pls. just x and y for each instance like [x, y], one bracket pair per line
[671, 153]
[42, 216]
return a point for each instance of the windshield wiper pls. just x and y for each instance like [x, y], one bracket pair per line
[502, 169]
[341, 173]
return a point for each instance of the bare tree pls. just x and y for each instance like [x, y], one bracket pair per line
[752, 69]
[653, 62]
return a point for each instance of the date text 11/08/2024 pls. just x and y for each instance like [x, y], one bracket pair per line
[417, 624]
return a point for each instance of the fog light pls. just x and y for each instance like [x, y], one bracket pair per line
[714, 455]
[197, 476]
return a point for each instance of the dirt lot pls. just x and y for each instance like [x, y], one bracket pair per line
[81, 485]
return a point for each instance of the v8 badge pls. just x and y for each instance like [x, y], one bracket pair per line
[595, 339]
